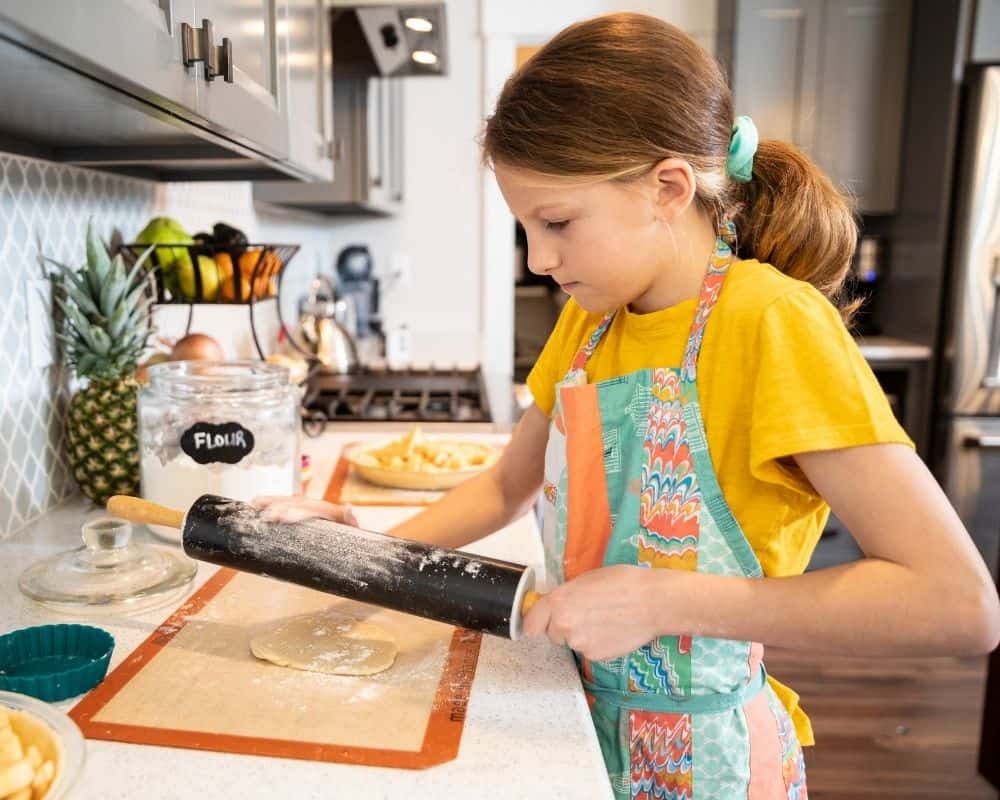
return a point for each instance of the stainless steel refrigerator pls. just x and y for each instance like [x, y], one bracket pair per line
[968, 419]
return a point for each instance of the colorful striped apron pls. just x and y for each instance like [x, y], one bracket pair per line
[629, 480]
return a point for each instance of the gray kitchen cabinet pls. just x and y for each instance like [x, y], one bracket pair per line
[863, 77]
[147, 62]
[368, 154]
[310, 95]
[829, 76]
[985, 45]
[251, 109]
[118, 85]
[383, 139]
[775, 72]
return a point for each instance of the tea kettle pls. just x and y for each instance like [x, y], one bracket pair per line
[324, 327]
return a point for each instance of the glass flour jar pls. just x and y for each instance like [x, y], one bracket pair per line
[230, 428]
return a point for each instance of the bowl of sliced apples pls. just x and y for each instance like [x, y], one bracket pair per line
[41, 750]
[420, 462]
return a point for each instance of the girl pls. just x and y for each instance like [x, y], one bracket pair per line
[699, 409]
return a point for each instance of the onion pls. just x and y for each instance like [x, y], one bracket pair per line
[197, 347]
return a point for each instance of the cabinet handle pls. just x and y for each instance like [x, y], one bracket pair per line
[982, 441]
[197, 44]
[226, 59]
[334, 149]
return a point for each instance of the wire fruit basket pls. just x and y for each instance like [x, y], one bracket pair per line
[204, 273]
[212, 273]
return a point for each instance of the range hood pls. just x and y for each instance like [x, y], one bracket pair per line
[380, 39]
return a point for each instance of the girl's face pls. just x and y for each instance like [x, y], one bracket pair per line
[604, 242]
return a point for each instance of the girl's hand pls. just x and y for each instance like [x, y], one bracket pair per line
[297, 507]
[605, 613]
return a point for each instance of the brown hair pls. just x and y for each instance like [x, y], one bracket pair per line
[610, 97]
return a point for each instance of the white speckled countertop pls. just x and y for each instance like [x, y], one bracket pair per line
[527, 733]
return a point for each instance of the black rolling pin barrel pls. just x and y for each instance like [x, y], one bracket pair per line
[447, 585]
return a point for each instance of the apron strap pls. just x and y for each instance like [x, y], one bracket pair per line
[693, 704]
[711, 287]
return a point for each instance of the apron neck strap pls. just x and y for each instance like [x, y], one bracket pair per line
[718, 266]
[711, 288]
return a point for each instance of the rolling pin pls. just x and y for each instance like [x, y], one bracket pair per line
[470, 591]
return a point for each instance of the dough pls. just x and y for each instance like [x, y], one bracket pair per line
[326, 642]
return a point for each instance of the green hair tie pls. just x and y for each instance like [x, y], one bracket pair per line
[742, 146]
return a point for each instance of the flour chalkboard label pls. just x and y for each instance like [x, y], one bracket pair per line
[207, 443]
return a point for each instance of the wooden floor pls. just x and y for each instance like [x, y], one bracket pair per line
[900, 728]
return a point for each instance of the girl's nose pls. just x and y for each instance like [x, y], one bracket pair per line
[542, 260]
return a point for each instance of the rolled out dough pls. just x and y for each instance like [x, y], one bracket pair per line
[326, 642]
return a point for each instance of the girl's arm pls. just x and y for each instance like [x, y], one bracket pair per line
[922, 589]
[468, 512]
[492, 499]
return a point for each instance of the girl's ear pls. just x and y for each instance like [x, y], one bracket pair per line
[671, 182]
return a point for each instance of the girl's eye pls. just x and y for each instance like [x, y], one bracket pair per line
[556, 226]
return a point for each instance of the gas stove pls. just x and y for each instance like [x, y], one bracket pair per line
[383, 395]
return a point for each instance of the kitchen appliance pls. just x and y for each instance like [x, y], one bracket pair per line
[356, 279]
[864, 280]
[410, 395]
[324, 330]
[967, 442]
[390, 39]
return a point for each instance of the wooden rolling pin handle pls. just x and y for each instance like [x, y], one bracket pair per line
[530, 598]
[135, 509]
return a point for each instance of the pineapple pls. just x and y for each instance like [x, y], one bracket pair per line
[106, 327]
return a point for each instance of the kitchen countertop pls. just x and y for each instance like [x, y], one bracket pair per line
[886, 348]
[527, 731]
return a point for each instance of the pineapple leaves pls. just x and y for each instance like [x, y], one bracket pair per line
[114, 288]
[107, 319]
[98, 259]
[77, 288]
[139, 264]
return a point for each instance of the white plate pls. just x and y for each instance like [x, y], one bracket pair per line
[419, 480]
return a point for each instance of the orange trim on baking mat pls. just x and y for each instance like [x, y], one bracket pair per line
[445, 723]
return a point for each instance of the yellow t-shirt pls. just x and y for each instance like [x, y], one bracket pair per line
[778, 374]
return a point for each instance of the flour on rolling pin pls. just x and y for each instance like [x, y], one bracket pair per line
[469, 591]
[355, 556]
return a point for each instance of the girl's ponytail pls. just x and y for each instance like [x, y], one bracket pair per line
[790, 215]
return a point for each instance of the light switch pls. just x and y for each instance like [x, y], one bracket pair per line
[41, 328]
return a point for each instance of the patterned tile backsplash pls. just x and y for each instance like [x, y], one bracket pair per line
[44, 209]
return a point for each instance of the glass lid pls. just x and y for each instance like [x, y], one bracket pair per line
[109, 572]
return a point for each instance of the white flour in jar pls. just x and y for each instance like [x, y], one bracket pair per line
[182, 480]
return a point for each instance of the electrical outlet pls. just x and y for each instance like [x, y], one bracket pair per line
[401, 271]
[41, 328]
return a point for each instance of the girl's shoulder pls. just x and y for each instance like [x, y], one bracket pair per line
[755, 292]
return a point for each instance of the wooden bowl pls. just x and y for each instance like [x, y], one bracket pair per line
[418, 480]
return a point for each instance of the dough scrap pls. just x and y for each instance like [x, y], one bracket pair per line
[325, 642]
